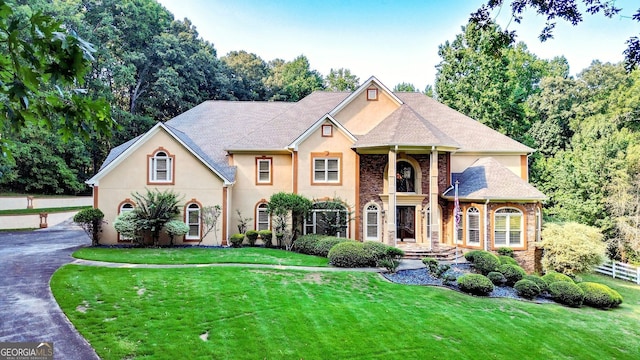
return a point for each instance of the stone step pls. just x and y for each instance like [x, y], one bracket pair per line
[445, 254]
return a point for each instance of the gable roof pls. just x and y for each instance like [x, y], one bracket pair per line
[295, 143]
[119, 153]
[487, 179]
[365, 85]
[406, 127]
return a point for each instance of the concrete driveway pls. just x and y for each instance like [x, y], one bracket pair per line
[28, 311]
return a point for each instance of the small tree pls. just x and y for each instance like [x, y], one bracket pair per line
[571, 248]
[126, 225]
[154, 210]
[209, 216]
[91, 222]
[243, 222]
[282, 205]
[175, 228]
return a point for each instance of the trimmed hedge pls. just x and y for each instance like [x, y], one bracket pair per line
[305, 244]
[505, 251]
[544, 287]
[566, 293]
[552, 277]
[324, 244]
[236, 240]
[484, 261]
[470, 255]
[376, 251]
[513, 273]
[527, 289]
[475, 284]
[599, 295]
[507, 260]
[266, 236]
[348, 254]
[252, 237]
[496, 278]
[431, 264]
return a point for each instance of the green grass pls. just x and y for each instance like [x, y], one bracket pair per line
[247, 255]
[41, 210]
[243, 313]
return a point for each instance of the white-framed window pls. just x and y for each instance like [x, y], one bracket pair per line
[508, 223]
[372, 222]
[473, 226]
[327, 130]
[263, 171]
[124, 208]
[193, 220]
[372, 94]
[326, 170]
[161, 167]
[538, 225]
[428, 225]
[327, 218]
[263, 218]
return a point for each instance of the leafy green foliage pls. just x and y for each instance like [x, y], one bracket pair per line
[126, 225]
[91, 222]
[566, 293]
[404, 87]
[247, 72]
[507, 260]
[505, 251]
[600, 296]
[252, 237]
[571, 248]
[527, 289]
[496, 278]
[475, 284]
[175, 228]
[553, 277]
[236, 240]
[154, 209]
[291, 81]
[349, 254]
[483, 261]
[542, 285]
[325, 244]
[306, 244]
[266, 236]
[283, 205]
[512, 273]
[341, 80]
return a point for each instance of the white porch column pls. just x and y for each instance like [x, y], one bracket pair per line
[391, 211]
[433, 199]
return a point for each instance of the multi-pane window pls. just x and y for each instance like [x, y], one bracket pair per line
[124, 208]
[161, 168]
[263, 219]
[326, 170]
[263, 168]
[327, 219]
[473, 226]
[193, 220]
[508, 227]
[372, 222]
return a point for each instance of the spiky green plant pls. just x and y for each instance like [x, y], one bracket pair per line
[154, 210]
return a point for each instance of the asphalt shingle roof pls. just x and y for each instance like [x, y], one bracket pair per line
[488, 179]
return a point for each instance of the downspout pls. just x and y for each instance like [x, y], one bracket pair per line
[486, 225]
[395, 200]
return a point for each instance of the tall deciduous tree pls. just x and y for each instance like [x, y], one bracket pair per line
[405, 87]
[291, 81]
[247, 72]
[341, 80]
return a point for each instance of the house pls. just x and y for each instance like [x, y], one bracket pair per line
[393, 159]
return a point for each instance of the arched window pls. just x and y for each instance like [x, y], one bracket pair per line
[125, 206]
[193, 220]
[327, 218]
[263, 218]
[372, 222]
[508, 224]
[405, 177]
[473, 226]
[161, 167]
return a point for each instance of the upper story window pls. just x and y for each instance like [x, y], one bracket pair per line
[263, 218]
[372, 94]
[161, 166]
[405, 177]
[327, 130]
[263, 171]
[193, 220]
[508, 228]
[326, 169]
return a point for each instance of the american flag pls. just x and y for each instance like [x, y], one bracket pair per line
[456, 208]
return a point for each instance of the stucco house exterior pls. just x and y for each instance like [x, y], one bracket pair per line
[392, 158]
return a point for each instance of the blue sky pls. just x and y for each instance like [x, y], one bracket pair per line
[397, 41]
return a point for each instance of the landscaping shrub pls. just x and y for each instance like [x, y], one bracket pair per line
[544, 287]
[475, 284]
[571, 248]
[306, 244]
[470, 255]
[513, 273]
[505, 251]
[236, 240]
[553, 276]
[325, 244]
[527, 289]
[599, 295]
[175, 228]
[485, 262]
[507, 260]
[348, 254]
[566, 293]
[91, 222]
[394, 253]
[390, 264]
[252, 237]
[431, 263]
[496, 278]
[376, 251]
[125, 224]
[266, 236]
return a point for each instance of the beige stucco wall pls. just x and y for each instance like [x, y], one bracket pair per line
[247, 193]
[346, 190]
[193, 180]
[459, 162]
[360, 116]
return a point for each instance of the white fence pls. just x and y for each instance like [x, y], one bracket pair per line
[620, 270]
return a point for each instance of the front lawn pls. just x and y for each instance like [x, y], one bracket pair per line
[245, 313]
[248, 255]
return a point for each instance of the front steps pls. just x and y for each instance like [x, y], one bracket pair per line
[443, 253]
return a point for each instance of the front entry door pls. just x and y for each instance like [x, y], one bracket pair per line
[405, 220]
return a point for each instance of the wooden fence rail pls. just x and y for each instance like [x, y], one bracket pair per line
[620, 270]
